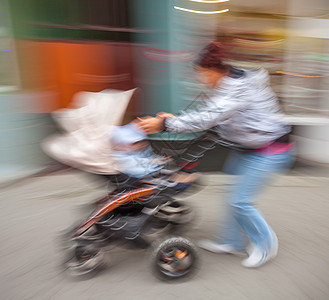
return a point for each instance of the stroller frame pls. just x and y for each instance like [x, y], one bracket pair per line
[173, 257]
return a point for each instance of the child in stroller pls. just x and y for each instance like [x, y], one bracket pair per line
[136, 158]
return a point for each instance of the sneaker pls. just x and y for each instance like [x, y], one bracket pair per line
[275, 245]
[218, 248]
[258, 257]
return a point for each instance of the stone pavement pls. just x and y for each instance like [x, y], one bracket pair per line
[34, 210]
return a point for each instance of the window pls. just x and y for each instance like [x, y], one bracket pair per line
[73, 20]
[9, 78]
[106, 13]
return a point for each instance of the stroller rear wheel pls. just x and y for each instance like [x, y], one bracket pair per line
[84, 259]
[174, 258]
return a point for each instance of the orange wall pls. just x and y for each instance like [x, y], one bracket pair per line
[70, 67]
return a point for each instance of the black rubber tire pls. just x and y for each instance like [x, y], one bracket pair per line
[85, 260]
[161, 269]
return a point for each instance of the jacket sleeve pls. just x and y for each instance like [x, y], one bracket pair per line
[215, 111]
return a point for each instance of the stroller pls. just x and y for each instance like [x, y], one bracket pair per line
[135, 209]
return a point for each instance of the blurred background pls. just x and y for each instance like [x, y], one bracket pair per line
[50, 50]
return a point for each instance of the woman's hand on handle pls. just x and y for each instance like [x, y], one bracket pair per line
[164, 115]
[151, 124]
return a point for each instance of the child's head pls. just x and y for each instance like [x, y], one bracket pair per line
[129, 138]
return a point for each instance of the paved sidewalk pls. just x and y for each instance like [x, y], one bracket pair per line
[34, 210]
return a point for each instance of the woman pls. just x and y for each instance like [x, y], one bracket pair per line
[245, 111]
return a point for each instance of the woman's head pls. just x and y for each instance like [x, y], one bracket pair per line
[210, 64]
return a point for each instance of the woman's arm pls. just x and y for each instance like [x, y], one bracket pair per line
[214, 113]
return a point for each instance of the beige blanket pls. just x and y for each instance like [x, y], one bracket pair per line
[85, 140]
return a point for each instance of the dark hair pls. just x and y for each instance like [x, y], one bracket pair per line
[211, 57]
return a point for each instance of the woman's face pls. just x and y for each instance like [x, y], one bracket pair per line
[209, 77]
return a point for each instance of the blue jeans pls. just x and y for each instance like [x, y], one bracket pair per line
[243, 219]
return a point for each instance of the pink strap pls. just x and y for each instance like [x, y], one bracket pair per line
[274, 148]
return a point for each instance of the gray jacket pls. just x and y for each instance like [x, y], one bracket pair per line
[243, 110]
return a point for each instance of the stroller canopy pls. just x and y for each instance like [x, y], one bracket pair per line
[86, 139]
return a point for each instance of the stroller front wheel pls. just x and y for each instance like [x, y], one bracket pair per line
[174, 258]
